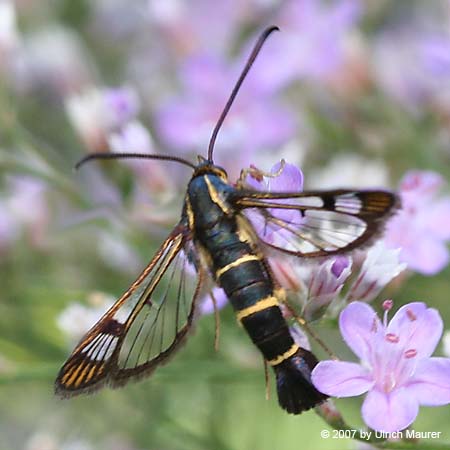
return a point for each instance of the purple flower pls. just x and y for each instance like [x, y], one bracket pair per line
[340, 264]
[255, 122]
[324, 285]
[396, 369]
[121, 106]
[315, 284]
[287, 178]
[422, 226]
[290, 179]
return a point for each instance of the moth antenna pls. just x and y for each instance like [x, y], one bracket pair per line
[94, 156]
[251, 59]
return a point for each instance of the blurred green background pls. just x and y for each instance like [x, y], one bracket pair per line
[81, 237]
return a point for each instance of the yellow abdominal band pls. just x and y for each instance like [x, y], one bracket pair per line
[280, 358]
[259, 306]
[236, 263]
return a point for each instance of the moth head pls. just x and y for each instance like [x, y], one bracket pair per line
[205, 167]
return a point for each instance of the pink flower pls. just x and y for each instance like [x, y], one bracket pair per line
[396, 369]
[324, 285]
[422, 226]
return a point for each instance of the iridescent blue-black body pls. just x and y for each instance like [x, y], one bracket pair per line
[238, 266]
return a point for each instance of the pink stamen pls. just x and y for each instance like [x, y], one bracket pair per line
[412, 183]
[411, 316]
[388, 304]
[410, 353]
[391, 337]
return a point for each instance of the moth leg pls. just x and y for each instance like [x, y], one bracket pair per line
[304, 324]
[216, 321]
[258, 174]
[281, 295]
[266, 378]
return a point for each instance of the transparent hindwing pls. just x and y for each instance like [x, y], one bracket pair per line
[319, 223]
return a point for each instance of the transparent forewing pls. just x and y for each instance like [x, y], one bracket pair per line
[317, 223]
[143, 327]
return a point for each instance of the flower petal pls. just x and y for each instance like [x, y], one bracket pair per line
[426, 255]
[431, 382]
[391, 411]
[299, 336]
[420, 185]
[380, 266]
[341, 379]
[290, 179]
[340, 264]
[324, 284]
[359, 325]
[439, 219]
[418, 328]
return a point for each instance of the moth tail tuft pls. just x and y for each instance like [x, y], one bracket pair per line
[296, 393]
